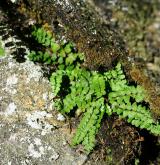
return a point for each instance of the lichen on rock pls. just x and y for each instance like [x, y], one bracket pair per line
[30, 131]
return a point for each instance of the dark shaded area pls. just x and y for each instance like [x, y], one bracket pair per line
[150, 149]
[117, 142]
[18, 25]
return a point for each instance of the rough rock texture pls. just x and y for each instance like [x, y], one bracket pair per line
[139, 24]
[30, 132]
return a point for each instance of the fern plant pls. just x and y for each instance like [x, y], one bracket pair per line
[90, 92]
[127, 100]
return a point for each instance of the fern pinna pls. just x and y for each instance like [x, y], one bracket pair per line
[90, 92]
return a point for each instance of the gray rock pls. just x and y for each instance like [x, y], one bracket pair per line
[29, 130]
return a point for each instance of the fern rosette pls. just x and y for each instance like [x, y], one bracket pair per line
[91, 93]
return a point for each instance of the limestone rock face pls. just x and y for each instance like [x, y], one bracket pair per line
[30, 132]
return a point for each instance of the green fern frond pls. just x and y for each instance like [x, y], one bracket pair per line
[42, 36]
[89, 125]
[56, 81]
[97, 85]
[126, 101]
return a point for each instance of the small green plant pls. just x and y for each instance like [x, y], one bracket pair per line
[91, 93]
[126, 101]
[2, 52]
